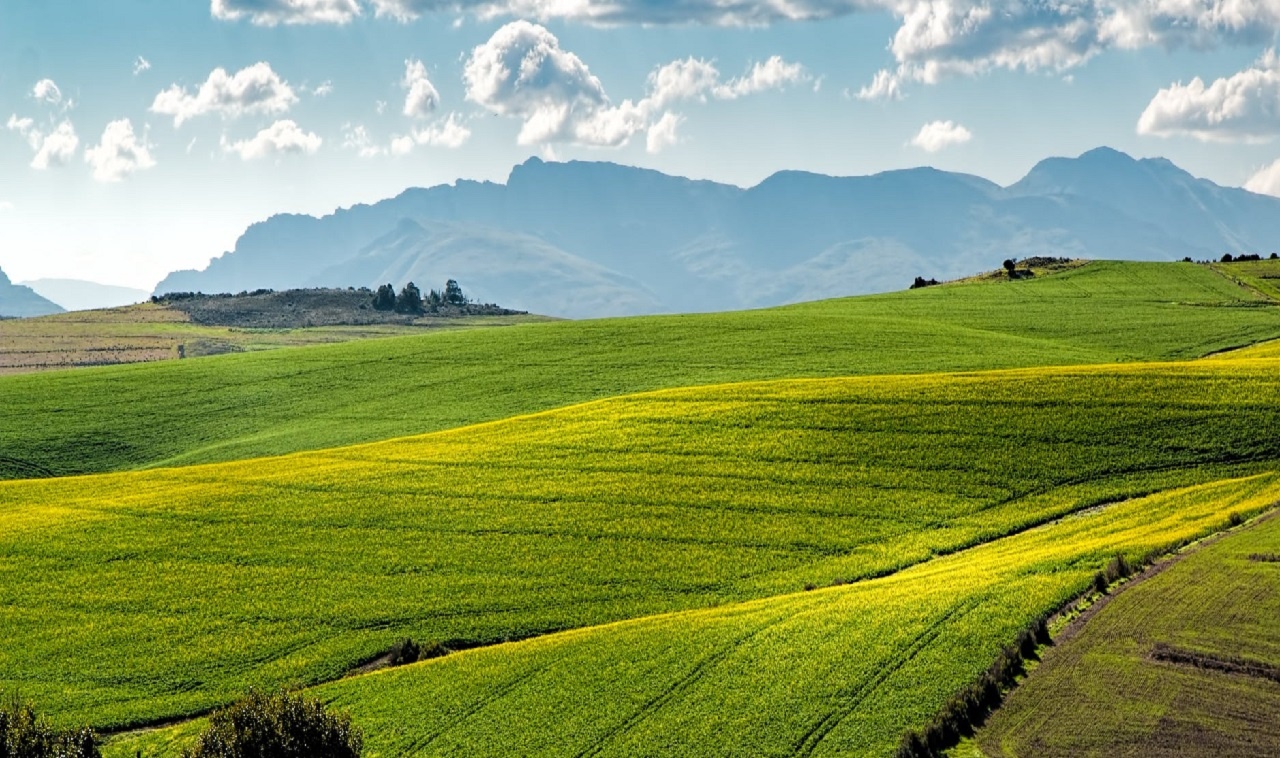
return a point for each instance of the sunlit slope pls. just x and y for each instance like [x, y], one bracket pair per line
[1106, 693]
[140, 595]
[840, 671]
[241, 406]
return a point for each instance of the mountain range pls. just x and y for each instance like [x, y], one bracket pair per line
[584, 239]
[19, 301]
[81, 295]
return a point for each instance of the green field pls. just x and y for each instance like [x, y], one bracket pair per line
[809, 563]
[147, 595]
[249, 405]
[840, 671]
[1105, 692]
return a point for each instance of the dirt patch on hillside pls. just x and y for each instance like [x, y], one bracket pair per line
[300, 309]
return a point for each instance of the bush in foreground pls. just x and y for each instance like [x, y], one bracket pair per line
[23, 734]
[280, 725]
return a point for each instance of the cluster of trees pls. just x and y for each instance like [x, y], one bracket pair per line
[1229, 258]
[411, 300]
[24, 734]
[280, 725]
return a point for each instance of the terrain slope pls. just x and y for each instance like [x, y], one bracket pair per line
[269, 403]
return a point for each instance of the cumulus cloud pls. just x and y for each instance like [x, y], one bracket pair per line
[119, 154]
[523, 73]
[324, 89]
[47, 91]
[450, 133]
[273, 12]
[663, 133]
[140, 65]
[939, 135]
[281, 138]
[421, 98]
[1244, 107]
[1266, 181]
[251, 90]
[52, 149]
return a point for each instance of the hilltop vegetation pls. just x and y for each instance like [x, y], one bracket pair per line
[146, 595]
[250, 405]
[1187, 662]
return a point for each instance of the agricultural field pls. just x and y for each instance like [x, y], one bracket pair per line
[794, 531]
[151, 332]
[148, 595]
[1184, 663]
[281, 401]
[838, 671]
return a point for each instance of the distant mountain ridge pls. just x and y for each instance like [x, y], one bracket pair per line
[585, 239]
[17, 300]
[82, 295]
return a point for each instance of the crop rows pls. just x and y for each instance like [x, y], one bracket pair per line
[839, 671]
[137, 596]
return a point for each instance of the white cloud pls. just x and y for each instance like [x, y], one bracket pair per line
[273, 12]
[663, 133]
[939, 135]
[281, 138]
[1244, 107]
[47, 91]
[885, 85]
[523, 73]
[52, 149]
[324, 89]
[6, 206]
[119, 154]
[401, 145]
[357, 138]
[422, 98]
[255, 89]
[1266, 181]
[450, 133]
[140, 65]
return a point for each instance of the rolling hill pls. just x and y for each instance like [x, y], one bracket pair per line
[598, 239]
[283, 401]
[81, 295]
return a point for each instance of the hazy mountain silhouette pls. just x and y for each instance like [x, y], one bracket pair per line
[585, 239]
[81, 295]
[16, 300]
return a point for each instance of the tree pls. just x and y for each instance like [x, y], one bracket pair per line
[409, 300]
[281, 726]
[1009, 265]
[24, 734]
[453, 293]
[385, 299]
[1227, 258]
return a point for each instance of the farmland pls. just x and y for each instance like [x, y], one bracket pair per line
[146, 595]
[1187, 662]
[839, 671]
[282, 401]
[790, 531]
[150, 332]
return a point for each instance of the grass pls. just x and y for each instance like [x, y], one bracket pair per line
[270, 403]
[839, 671]
[144, 595]
[148, 332]
[1106, 691]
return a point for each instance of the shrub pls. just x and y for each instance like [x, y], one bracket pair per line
[1235, 519]
[280, 725]
[23, 734]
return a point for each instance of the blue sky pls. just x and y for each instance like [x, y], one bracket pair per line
[143, 136]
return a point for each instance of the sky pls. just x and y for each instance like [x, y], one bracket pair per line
[143, 136]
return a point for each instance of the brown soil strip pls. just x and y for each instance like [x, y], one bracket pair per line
[1224, 664]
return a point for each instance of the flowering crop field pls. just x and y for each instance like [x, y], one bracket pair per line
[838, 671]
[231, 407]
[137, 596]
